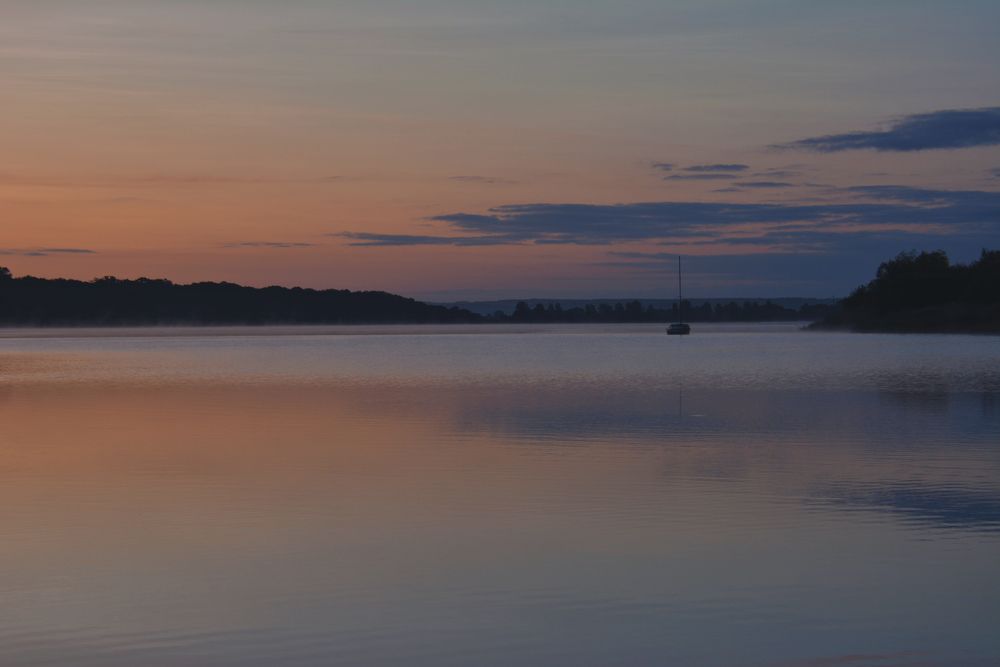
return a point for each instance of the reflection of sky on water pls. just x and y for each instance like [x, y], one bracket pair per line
[722, 358]
[957, 507]
[730, 433]
[219, 505]
[886, 418]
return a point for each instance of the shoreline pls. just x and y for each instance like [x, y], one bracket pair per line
[194, 331]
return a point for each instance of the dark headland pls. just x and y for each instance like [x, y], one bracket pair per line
[924, 293]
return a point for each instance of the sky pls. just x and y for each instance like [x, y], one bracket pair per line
[464, 149]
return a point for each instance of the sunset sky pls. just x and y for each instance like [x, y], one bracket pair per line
[455, 149]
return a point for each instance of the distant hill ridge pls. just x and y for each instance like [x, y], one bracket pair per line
[110, 301]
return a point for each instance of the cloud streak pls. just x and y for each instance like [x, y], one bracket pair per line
[716, 168]
[482, 180]
[763, 184]
[699, 177]
[947, 129]
[700, 172]
[869, 210]
[371, 239]
[269, 244]
[44, 252]
[160, 180]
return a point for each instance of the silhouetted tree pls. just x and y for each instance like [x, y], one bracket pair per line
[522, 313]
[925, 292]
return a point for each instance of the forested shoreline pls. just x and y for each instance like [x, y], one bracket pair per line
[109, 301]
[924, 293]
[914, 292]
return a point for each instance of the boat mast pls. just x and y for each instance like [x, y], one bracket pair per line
[680, 291]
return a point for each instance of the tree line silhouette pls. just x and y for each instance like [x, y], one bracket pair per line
[925, 292]
[634, 311]
[913, 292]
[112, 301]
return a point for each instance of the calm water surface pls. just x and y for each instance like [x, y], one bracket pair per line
[748, 496]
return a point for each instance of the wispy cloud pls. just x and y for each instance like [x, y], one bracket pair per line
[764, 184]
[699, 177]
[160, 180]
[950, 128]
[43, 252]
[370, 239]
[700, 172]
[269, 244]
[482, 180]
[227, 179]
[777, 173]
[714, 168]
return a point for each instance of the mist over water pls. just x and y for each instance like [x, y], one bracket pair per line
[747, 496]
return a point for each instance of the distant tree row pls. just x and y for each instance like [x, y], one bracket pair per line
[634, 311]
[925, 292]
[111, 301]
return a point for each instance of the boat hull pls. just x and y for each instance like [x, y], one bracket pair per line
[679, 329]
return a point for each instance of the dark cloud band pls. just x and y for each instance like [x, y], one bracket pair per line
[716, 168]
[901, 210]
[951, 128]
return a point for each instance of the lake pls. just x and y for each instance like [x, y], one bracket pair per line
[748, 496]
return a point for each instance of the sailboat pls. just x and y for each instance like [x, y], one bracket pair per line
[680, 328]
